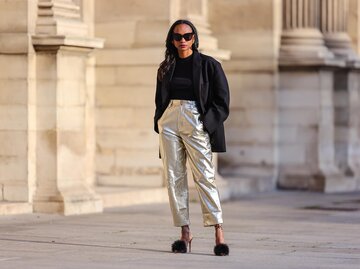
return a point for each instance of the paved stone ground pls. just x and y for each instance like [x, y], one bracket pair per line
[269, 230]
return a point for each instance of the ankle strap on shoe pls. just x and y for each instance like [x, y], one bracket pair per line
[185, 227]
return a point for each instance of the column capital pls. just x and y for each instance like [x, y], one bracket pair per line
[54, 42]
[59, 23]
[60, 17]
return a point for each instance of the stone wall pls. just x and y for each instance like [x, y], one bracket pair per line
[46, 125]
[249, 29]
[64, 109]
[17, 89]
[317, 104]
[126, 75]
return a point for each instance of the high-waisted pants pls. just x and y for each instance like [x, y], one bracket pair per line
[182, 137]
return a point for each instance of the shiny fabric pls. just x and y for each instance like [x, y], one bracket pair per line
[182, 136]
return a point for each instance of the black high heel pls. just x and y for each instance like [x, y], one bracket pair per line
[220, 249]
[182, 246]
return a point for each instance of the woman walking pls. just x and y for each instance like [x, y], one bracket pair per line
[192, 102]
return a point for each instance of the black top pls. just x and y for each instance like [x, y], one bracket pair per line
[181, 85]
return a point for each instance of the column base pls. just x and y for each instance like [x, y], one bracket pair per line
[12, 208]
[305, 46]
[72, 201]
[338, 184]
[340, 44]
[330, 183]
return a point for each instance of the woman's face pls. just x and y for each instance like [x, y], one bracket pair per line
[183, 45]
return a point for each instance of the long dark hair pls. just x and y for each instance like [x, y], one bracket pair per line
[171, 51]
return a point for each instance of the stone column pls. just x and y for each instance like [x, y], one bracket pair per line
[301, 40]
[353, 148]
[307, 103]
[64, 101]
[353, 24]
[17, 87]
[333, 24]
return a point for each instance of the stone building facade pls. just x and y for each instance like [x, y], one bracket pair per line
[77, 82]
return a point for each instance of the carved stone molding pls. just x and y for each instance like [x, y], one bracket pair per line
[59, 23]
[59, 17]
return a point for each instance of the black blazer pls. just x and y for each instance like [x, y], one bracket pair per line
[212, 97]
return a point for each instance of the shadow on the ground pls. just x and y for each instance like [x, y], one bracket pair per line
[94, 245]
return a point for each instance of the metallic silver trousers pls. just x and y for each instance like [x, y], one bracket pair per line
[182, 136]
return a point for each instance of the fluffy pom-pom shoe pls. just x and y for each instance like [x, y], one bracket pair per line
[221, 250]
[181, 246]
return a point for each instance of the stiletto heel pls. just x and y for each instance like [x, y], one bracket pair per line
[220, 249]
[190, 244]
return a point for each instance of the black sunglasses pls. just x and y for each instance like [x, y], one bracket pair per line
[186, 36]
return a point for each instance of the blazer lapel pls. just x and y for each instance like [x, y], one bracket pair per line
[197, 78]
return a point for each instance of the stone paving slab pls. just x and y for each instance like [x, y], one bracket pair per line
[271, 230]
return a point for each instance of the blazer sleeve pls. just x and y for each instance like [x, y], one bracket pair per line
[157, 104]
[218, 111]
